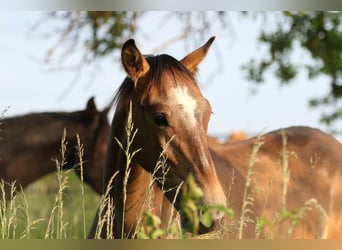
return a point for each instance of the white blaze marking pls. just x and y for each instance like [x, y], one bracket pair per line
[188, 102]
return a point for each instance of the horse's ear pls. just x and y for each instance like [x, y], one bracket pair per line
[133, 61]
[91, 109]
[192, 60]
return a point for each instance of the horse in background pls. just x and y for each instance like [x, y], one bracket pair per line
[31, 142]
[236, 136]
[233, 136]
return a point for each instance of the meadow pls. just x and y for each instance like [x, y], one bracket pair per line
[62, 206]
[50, 209]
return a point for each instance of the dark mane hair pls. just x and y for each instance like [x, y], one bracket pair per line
[159, 64]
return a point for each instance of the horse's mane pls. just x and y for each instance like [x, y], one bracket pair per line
[159, 64]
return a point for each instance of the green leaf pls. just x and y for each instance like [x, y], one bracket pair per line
[206, 219]
[155, 234]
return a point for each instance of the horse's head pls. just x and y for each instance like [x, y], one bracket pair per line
[169, 110]
[95, 138]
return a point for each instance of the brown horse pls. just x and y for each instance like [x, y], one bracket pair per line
[236, 136]
[232, 137]
[297, 171]
[30, 143]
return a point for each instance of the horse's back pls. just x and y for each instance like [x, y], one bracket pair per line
[311, 158]
[301, 140]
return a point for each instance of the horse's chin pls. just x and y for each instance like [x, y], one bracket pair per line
[202, 229]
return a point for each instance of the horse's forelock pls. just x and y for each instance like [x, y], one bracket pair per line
[159, 65]
[165, 63]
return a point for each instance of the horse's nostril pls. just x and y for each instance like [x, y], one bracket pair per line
[204, 225]
[202, 229]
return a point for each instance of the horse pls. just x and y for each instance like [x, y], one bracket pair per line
[232, 137]
[236, 136]
[30, 143]
[291, 171]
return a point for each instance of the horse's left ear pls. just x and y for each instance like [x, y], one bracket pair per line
[192, 60]
[133, 61]
[91, 109]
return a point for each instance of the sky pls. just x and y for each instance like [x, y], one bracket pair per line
[27, 84]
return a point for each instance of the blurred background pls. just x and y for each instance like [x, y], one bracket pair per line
[265, 70]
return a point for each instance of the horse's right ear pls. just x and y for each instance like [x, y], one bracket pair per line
[133, 61]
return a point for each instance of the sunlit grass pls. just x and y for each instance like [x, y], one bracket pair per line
[61, 206]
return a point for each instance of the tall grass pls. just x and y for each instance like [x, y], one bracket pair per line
[80, 152]
[130, 135]
[152, 228]
[248, 199]
[106, 210]
[49, 208]
[55, 217]
[8, 210]
[56, 226]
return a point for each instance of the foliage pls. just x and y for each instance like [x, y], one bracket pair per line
[195, 213]
[319, 34]
[99, 32]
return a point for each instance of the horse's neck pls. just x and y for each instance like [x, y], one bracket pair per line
[140, 195]
[26, 162]
[231, 165]
[140, 190]
[143, 194]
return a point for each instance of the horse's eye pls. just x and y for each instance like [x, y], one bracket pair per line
[160, 119]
